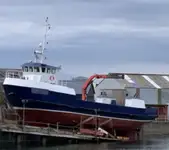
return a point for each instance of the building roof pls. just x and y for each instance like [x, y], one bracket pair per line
[151, 81]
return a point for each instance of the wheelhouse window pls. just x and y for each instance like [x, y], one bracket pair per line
[36, 69]
[48, 70]
[53, 71]
[30, 69]
[25, 69]
[43, 69]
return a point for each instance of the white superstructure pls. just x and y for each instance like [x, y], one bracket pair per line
[36, 74]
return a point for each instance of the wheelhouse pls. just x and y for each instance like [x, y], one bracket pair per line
[39, 68]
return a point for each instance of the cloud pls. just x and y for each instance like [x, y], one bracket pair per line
[138, 67]
[11, 28]
[73, 17]
[27, 32]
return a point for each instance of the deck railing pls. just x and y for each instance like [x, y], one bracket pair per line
[14, 74]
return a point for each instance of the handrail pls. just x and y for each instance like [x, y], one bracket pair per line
[13, 74]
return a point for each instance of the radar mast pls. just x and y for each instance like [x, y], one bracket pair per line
[39, 51]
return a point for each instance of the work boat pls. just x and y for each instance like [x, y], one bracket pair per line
[40, 99]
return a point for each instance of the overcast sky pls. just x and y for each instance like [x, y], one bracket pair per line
[88, 36]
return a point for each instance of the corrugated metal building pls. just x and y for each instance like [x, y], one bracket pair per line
[154, 89]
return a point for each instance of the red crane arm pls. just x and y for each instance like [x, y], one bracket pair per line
[88, 82]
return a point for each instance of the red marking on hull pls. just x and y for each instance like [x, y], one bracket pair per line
[70, 119]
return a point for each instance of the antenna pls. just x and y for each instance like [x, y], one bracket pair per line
[39, 52]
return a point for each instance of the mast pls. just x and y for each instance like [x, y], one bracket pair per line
[39, 52]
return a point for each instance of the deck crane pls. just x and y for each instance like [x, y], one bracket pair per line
[99, 76]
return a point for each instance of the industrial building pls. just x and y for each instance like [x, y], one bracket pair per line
[153, 88]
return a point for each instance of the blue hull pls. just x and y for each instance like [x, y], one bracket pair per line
[49, 100]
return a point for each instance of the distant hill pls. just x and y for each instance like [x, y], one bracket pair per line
[79, 78]
[66, 76]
